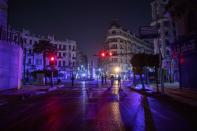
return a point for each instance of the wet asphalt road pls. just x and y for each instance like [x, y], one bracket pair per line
[93, 108]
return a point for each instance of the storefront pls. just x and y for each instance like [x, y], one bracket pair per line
[186, 52]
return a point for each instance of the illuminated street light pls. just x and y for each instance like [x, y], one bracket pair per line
[117, 69]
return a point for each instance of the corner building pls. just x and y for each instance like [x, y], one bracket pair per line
[122, 44]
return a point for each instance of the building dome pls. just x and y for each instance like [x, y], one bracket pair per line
[115, 24]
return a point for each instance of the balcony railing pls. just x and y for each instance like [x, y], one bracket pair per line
[113, 47]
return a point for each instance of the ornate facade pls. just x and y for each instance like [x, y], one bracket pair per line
[122, 44]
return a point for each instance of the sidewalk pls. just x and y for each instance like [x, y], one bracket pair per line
[185, 95]
[27, 89]
[26, 92]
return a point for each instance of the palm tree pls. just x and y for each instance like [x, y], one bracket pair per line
[44, 47]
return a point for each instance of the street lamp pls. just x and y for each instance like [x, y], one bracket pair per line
[117, 70]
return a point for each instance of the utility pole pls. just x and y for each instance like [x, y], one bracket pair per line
[160, 27]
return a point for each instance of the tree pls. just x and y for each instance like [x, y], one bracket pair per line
[44, 47]
[140, 61]
[154, 62]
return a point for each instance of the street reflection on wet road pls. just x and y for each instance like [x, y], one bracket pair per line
[92, 108]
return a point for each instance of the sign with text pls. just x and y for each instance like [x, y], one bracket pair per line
[149, 32]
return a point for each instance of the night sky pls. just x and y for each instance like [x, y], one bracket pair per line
[85, 21]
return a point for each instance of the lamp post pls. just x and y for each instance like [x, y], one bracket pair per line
[117, 70]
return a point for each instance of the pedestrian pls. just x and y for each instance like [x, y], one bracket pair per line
[59, 81]
[112, 81]
[102, 79]
[72, 78]
[105, 78]
[119, 81]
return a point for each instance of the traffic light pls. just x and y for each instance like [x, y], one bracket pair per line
[103, 54]
[110, 54]
[52, 61]
[52, 58]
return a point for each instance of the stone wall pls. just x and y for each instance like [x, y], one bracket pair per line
[11, 61]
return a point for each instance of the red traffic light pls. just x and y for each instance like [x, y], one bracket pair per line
[52, 61]
[103, 54]
[52, 58]
[110, 54]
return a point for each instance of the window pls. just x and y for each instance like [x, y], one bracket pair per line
[167, 42]
[114, 59]
[29, 61]
[118, 33]
[114, 46]
[25, 40]
[60, 55]
[73, 48]
[30, 42]
[121, 47]
[113, 32]
[60, 64]
[15, 38]
[64, 47]
[60, 47]
[64, 54]
[121, 41]
[38, 61]
[114, 52]
[166, 33]
[64, 63]
[30, 51]
[114, 40]
[69, 47]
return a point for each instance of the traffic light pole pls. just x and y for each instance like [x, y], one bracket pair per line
[52, 65]
[161, 72]
[52, 84]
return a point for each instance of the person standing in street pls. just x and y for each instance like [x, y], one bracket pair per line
[105, 79]
[102, 80]
[72, 79]
[112, 81]
[119, 81]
